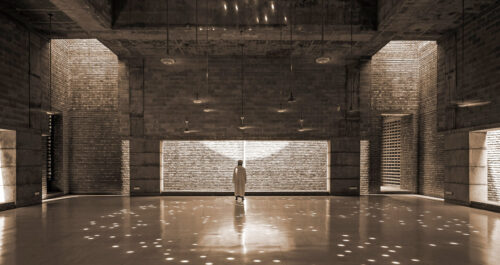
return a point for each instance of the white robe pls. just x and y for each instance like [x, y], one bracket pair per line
[239, 180]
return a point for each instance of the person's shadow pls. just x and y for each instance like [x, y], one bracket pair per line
[239, 217]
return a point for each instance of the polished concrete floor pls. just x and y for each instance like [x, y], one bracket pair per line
[396, 229]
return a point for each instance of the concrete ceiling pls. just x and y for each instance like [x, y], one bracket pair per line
[136, 28]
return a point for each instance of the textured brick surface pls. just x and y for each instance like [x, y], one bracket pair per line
[493, 145]
[169, 92]
[95, 144]
[271, 165]
[392, 89]
[479, 80]
[431, 143]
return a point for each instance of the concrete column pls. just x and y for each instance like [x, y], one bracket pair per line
[466, 167]
[145, 167]
[345, 166]
[28, 168]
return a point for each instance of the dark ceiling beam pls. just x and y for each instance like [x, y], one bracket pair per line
[90, 15]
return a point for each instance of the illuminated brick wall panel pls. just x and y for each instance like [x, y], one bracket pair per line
[271, 165]
[95, 155]
[431, 143]
[493, 146]
[392, 89]
[299, 166]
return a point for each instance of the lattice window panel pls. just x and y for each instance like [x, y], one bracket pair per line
[391, 153]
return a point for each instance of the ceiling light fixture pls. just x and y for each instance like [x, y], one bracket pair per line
[323, 59]
[281, 108]
[301, 125]
[50, 65]
[197, 99]
[242, 86]
[167, 60]
[291, 98]
[207, 107]
[186, 126]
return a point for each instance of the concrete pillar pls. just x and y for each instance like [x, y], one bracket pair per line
[28, 168]
[466, 167]
[145, 167]
[345, 166]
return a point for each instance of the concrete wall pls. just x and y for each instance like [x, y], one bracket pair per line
[479, 81]
[466, 171]
[23, 79]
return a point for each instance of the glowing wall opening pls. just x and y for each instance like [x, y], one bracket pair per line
[7, 166]
[272, 166]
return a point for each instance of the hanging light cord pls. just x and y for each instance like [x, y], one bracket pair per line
[168, 26]
[463, 47]
[291, 39]
[50, 62]
[242, 77]
[323, 29]
[351, 11]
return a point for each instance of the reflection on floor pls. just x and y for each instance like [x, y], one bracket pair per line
[397, 229]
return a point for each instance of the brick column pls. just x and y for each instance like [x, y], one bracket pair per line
[144, 166]
[345, 166]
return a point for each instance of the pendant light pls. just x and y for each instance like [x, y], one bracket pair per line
[50, 64]
[167, 60]
[196, 99]
[281, 108]
[207, 108]
[323, 59]
[301, 125]
[291, 98]
[242, 116]
[50, 111]
[242, 125]
[463, 103]
[187, 130]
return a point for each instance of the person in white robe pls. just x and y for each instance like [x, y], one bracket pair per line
[239, 180]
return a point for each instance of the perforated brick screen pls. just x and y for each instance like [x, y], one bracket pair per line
[493, 145]
[271, 165]
[391, 152]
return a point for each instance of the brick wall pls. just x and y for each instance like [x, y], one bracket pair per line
[271, 165]
[364, 166]
[169, 91]
[95, 153]
[392, 89]
[125, 167]
[431, 143]
[493, 145]
[480, 80]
